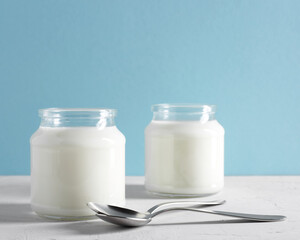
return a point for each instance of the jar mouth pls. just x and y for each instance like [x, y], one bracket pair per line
[91, 113]
[184, 108]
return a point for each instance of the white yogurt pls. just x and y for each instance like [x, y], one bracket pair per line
[184, 157]
[71, 166]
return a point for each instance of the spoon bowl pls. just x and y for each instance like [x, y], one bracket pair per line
[125, 221]
[115, 211]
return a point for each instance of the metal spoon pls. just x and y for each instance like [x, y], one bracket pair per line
[125, 212]
[130, 218]
[136, 219]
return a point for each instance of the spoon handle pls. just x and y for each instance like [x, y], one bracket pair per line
[251, 217]
[157, 207]
[248, 216]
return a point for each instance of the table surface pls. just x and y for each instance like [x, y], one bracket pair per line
[264, 194]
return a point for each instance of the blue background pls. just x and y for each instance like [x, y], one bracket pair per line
[243, 56]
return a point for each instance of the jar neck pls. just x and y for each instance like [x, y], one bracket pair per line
[183, 112]
[61, 117]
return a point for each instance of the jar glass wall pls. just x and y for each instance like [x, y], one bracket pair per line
[77, 156]
[184, 151]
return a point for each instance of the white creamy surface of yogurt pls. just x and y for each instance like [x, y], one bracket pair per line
[71, 166]
[184, 157]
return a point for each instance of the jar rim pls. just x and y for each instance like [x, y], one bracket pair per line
[77, 112]
[184, 108]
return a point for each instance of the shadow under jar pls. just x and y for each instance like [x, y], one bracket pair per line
[77, 156]
[184, 151]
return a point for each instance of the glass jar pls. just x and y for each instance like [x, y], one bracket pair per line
[77, 156]
[184, 151]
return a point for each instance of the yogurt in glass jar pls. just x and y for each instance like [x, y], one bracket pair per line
[184, 151]
[77, 156]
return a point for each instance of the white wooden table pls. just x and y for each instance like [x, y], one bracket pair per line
[269, 195]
